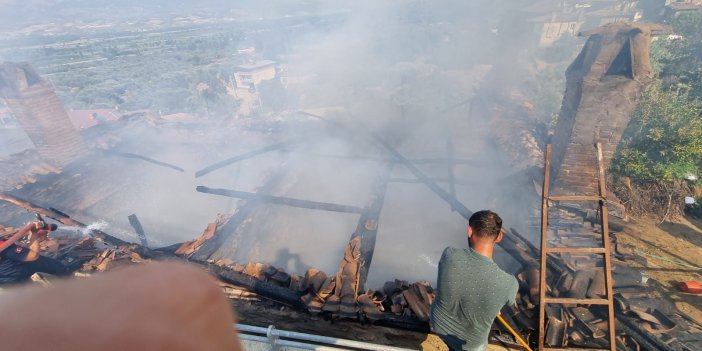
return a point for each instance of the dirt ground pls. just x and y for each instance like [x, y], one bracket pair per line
[673, 253]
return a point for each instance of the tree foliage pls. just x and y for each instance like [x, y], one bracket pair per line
[679, 61]
[664, 139]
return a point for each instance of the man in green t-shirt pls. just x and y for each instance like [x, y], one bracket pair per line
[471, 288]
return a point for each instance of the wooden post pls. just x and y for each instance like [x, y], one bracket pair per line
[544, 243]
[134, 222]
[608, 253]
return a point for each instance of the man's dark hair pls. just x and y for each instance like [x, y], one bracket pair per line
[486, 224]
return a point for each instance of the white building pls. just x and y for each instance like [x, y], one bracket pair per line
[247, 78]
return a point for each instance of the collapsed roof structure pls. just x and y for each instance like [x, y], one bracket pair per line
[245, 247]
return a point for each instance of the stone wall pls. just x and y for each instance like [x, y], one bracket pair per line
[603, 86]
[40, 113]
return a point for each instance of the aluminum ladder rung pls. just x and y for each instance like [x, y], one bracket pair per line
[576, 198]
[574, 301]
[592, 250]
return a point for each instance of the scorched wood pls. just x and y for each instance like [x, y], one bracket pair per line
[314, 205]
[143, 158]
[262, 288]
[238, 158]
[134, 222]
[443, 194]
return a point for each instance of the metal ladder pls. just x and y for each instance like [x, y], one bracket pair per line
[604, 250]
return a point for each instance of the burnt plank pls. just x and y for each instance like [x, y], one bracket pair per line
[235, 159]
[143, 158]
[134, 222]
[280, 200]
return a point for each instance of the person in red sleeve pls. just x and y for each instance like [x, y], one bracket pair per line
[18, 263]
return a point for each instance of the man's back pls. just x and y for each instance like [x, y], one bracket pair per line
[471, 290]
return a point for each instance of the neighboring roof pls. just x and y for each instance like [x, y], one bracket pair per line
[85, 118]
[610, 12]
[542, 6]
[559, 17]
[568, 17]
[681, 6]
[256, 65]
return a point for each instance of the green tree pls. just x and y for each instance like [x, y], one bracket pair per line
[682, 63]
[689, 24]
[664, 139]
[659, 54]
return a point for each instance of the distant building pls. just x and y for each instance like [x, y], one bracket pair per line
[40, 113]
[602, 12]
[247, 76]
[558, 25]
[87, 118]
[246, 79]
[247, 50]
[675, 8]
[678, 2]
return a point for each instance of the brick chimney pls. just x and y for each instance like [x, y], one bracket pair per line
[40, 113]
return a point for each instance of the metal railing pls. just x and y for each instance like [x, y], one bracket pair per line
[283, 338]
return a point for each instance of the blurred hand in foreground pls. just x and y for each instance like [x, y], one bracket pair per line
[155, 306]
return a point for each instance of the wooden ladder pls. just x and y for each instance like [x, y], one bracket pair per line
[604, 250]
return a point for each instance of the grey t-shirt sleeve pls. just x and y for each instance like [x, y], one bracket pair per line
[447, 255]
[512, 292]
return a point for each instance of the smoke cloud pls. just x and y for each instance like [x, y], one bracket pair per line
[405, 71]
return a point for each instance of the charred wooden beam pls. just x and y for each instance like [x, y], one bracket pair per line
[313, 205]
[262, 288]
[457, 161]
[417, 161]
[367, 227]
[134, 222]
[455, 106]
[143, 158]
[238, 158]
[243, 212]
[443, 194]
[403, 322]
[518, 251]
[291, 298]
[438, 180]
[534, 250]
